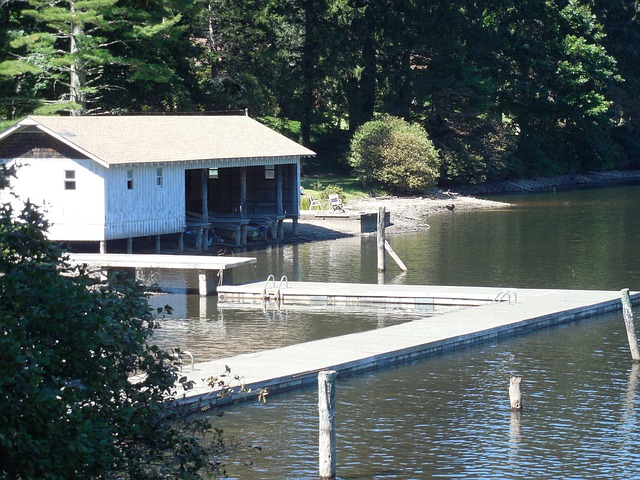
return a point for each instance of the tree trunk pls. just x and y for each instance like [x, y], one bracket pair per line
[77, 72]
[309, 55]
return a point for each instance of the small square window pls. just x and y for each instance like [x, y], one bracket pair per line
[159, 180]
[129, 179]
[270, 172]
[69, 179]
[213, 173]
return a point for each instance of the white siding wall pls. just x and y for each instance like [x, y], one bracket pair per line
[74, 214]
[147, 209]
[102, 207]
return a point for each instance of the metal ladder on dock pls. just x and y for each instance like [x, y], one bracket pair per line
[273, 292]
[510, 294]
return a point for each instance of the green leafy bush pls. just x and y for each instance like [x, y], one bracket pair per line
[395, 155]
[69, 348]
[329, 189]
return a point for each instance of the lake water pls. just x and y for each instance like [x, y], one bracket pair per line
[448, 416]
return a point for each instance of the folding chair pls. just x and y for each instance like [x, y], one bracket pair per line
[335, 202]
[314, 203]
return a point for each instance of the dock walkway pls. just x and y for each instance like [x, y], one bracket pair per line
[209, 267]
[422, 297]
[297, 365]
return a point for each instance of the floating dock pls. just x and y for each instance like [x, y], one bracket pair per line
[422, 297]
[212, 270]
[298, 365]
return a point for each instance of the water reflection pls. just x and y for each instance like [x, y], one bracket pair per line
[210, 330]
[449, 416]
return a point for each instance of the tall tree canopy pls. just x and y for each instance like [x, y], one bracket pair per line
[58, 50]
[505, 88]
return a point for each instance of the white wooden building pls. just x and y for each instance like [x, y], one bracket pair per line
[103, 178]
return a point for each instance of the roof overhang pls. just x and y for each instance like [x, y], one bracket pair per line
[29, 122]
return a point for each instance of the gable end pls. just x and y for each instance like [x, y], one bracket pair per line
[36, 145]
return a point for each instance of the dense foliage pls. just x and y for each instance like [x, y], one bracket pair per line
[69, 349]
[505, 88]
[395, 155]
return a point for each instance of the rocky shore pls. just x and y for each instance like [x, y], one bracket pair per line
[411, 213]
[406, 215]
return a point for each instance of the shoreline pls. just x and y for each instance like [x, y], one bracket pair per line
[559, 182]
[408, 214]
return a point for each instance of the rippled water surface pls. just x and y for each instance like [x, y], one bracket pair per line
[212, 331]
[448, 416]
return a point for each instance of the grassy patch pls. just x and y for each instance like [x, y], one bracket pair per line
[315, 184]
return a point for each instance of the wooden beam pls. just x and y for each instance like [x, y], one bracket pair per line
[243, 192]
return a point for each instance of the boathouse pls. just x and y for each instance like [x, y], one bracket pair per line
[104, 178]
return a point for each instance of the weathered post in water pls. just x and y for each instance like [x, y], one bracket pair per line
[395, 256]
[515, 394]
[327, 413]
[381, 260]
[627, 313]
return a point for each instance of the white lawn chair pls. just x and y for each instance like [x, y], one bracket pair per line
[314, 203]
[335, 202]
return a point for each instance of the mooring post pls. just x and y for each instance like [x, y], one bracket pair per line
[327, 413]
[627, 313]
[515, 394]
[381, 215]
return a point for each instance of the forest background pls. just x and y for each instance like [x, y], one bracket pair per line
[505, 89]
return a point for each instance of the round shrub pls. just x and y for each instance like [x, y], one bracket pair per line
[395, 155]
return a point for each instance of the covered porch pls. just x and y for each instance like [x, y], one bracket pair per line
[242, 203]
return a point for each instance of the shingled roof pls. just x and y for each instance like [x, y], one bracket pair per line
[116, 140]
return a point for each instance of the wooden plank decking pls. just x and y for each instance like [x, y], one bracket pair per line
[297, 365]
[208, 267]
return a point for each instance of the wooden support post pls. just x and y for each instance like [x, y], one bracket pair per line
[103, 246]
[627, 313]
[181, 242]
[280, 229]
[199, 238]
[327, 412]
[207, 282]
[279, 192]
[158, 246]
[203, 307]
[294, 226]
[380, 236]
[204, 186]
[243, 192]
[129, 245]
[393, 254]
[515, 394]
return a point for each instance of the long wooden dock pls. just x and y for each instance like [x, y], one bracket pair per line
[297, 365]
[209, 268]
[318, 293]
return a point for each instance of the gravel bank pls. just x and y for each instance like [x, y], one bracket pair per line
[407, 214]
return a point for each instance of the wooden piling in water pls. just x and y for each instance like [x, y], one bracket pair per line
[327, 434]
[395, 256]
[515, 394]
[381, 239]
[627, 313]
